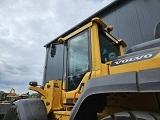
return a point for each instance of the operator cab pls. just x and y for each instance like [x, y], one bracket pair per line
[70, 57]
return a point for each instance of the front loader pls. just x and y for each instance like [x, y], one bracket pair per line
[88, 76]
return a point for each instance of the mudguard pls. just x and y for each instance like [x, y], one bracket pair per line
[31, 109]
[142, 81]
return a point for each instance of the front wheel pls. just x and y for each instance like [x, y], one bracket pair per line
[12, 114]
[133, 115]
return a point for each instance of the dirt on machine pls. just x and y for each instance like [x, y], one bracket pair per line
[89, 76]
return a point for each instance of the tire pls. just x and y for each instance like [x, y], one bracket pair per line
[12, 114]
[3, 109]
[133, 115]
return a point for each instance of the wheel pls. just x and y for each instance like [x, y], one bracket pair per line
[133, 115]
[11, 114]
[3, 109]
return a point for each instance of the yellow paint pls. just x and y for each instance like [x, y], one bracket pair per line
[39, 90]
[99, 21]
[62, 115]
[121, 50]
[70, 94]
[137, 65]
[75, 32]
[96, 59]
[55, 98]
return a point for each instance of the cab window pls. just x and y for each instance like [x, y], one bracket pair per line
[108, 49]
[78, 60]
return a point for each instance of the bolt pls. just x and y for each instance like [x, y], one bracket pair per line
[47, 103]
[48, 86]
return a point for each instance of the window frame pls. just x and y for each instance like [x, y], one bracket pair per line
[89, 56]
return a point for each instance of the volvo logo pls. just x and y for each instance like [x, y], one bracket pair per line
[132, 59]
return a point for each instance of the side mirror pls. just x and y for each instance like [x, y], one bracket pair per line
[33, 83]
[53, 50]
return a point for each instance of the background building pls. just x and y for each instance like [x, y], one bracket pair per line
[133, 20]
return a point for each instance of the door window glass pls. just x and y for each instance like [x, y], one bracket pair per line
[78, 60]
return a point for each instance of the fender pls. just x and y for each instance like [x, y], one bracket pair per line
[142, 81]
[31, 109]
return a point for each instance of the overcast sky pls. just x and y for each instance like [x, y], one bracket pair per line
[26, 26]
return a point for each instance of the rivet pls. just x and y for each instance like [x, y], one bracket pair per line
[47, 103]
[48, 86]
